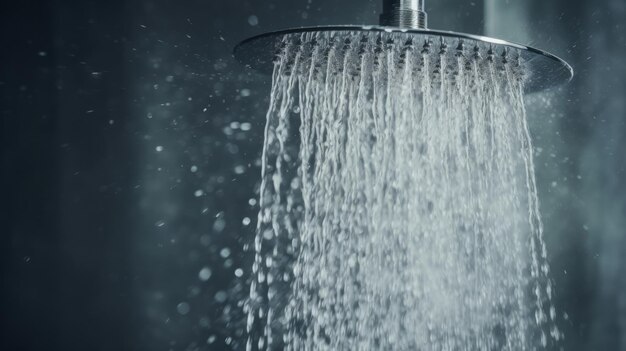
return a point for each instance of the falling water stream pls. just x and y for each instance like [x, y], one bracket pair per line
[399, 208]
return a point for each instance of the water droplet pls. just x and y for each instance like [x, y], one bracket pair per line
[221, 296]
[219, 225]
[183, 308]
[253, 20]
[205, 274]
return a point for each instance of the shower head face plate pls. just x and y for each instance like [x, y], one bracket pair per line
[544, 69]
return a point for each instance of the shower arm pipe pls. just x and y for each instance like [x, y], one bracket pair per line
[408, 14]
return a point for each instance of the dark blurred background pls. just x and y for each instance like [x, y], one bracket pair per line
[130, 163]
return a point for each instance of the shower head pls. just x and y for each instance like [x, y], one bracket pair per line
[405, 21]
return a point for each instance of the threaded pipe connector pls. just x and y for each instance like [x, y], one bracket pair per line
[404, 14]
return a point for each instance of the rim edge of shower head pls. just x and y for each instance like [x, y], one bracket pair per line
[548, 70]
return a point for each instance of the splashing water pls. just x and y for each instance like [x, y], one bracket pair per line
[399, 208]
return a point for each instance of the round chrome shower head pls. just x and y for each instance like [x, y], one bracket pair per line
[407, 18]
[544, 70]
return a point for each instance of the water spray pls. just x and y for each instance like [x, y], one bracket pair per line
[398, 201]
